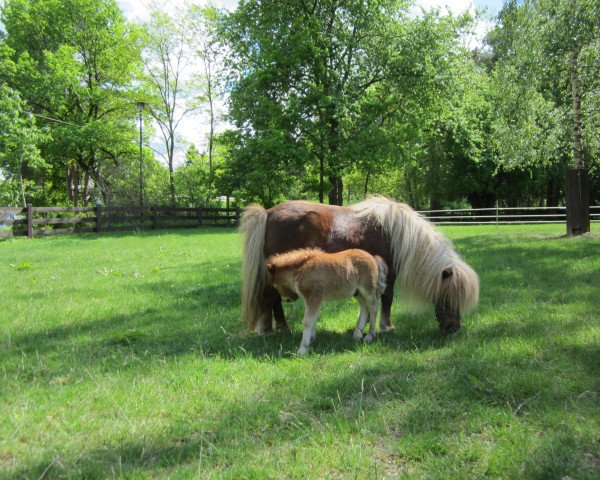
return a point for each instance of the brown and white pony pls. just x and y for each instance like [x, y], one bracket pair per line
[316, 276]
[423, 261]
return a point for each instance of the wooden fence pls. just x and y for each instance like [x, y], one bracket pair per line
[503, 216]
[34, 221]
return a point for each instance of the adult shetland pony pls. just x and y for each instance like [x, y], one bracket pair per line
[315, 276]
[420, 258]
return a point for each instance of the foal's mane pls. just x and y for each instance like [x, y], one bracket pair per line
[420, 255]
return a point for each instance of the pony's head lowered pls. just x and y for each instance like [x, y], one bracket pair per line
[428, 268]
[458, 293]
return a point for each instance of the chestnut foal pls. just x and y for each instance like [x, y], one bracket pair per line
[316, 276]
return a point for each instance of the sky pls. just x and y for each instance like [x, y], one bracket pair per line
[193, 129]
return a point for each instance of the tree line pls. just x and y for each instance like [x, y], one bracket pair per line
[329, 100]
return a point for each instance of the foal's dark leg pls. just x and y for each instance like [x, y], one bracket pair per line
[385, 319]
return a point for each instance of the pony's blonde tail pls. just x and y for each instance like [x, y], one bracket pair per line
[253, 224]
[382, 271]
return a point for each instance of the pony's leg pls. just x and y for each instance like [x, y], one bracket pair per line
[385, 320]
[265, 314]
[362, 319]
[281, 324]
[311, 311]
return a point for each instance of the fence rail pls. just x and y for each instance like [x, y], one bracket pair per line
[503, 216]
[40, 221]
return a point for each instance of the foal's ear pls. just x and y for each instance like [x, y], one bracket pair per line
[446, 273]
[271, 268]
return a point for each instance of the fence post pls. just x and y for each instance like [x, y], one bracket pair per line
[237, 215]
[496, 212]
[98, 210]
[200, 215]
[29, 221]
[577, 197]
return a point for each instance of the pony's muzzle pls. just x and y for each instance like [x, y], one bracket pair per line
[448, 320]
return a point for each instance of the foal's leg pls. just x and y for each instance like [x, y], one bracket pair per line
[362, 318]
[309, 322]
[385, 320]
[372, 305]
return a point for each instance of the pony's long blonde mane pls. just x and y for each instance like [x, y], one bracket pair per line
[420, 255]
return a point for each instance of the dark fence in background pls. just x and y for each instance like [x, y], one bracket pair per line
[37, 221]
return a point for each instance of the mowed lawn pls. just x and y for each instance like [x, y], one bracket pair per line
[123, 356]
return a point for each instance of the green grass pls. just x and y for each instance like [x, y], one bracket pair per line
[123, 356]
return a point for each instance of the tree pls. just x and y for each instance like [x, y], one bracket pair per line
[18, 142]
[545, 66]
[316, 86]
[75, 64]
[167, 59]
[204, 37]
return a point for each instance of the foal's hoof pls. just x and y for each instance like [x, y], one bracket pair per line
[358, 336]
[302, 350]
[369, 338]
[386, 328]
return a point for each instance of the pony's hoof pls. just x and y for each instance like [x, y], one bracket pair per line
[368, 339]
[358, 336]
[282, 329]
[386, 328]
[302, 351]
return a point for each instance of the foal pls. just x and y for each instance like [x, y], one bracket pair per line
[315, 276]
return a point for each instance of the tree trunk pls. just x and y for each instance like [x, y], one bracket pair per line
[86, 188]
[22, 189]
[337, 191]
[171, 154]
[576, 94]
[366, 190]
[321, 181]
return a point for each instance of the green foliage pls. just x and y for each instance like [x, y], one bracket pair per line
[329, 101]
[19, 140]
[317, 88]
[75, 62]
[545, 56]
[194, 180]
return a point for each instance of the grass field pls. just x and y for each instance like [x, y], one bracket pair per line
[123, 356]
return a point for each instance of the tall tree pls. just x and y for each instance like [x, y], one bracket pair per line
[18, 144]
[167, 60]
[76, 61]
[545, 52]
[314, 84]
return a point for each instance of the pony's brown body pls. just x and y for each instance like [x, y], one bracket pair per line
[425, 263]
[316, 276]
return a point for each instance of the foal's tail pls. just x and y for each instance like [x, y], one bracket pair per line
[382, 271]
[254, 277]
